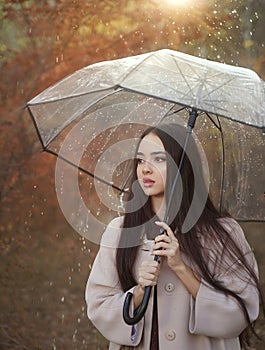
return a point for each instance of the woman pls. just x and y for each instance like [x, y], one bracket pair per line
[206, 287]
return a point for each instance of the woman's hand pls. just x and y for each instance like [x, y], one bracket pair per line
[148, 273]
[167, 245]
[147, 276]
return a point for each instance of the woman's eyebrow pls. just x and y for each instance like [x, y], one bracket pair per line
[158, 152]
[152, 153]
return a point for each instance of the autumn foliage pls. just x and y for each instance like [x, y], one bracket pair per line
[40, 43]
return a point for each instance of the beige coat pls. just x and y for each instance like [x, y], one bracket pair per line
[211, 322]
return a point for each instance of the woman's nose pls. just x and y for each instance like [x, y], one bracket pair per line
[147, 168]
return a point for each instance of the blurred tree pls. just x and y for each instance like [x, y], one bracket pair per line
[42, 41]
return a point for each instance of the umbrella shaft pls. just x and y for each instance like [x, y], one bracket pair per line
[140, 311]
[191, 123]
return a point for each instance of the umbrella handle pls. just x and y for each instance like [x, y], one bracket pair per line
[140, 311]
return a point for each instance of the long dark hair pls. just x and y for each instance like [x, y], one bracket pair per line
[210, 228]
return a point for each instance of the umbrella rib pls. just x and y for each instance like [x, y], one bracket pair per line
[223, 167]
[201, 83]
[184, 78]
[174, 112]
[219, 127]
[218, 87]
[74, 96]
[154, 97]
[215, 124]
[152, 83]
[84, 170]
[135, 67]
[36, 127]
[87, 107]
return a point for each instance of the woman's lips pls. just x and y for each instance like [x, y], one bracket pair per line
[148, 182]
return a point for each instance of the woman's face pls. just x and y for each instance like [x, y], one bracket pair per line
[152, 166]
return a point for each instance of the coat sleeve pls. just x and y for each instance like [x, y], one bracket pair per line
[216, 314]
[104, 296]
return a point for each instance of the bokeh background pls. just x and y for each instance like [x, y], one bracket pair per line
[44, 263]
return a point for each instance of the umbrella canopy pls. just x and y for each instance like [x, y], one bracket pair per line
[93, 117]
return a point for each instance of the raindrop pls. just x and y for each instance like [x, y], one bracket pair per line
[53, 345]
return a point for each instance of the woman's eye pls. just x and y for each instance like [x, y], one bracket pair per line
[157, 159]
[160, 159]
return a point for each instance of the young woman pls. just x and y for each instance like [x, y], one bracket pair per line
[206, 291]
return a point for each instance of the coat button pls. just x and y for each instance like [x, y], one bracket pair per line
[169, 287]
[170, 335]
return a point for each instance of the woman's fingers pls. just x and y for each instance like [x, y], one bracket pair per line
[163, 238]
[150, 269]
[148, 280]
[148, 273]
[165, 227]
[170, 235]
[166, 244]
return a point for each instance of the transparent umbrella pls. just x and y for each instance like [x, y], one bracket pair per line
[92, 120]
[84, 115]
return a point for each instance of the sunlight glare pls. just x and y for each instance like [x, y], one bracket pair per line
[181, 3]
